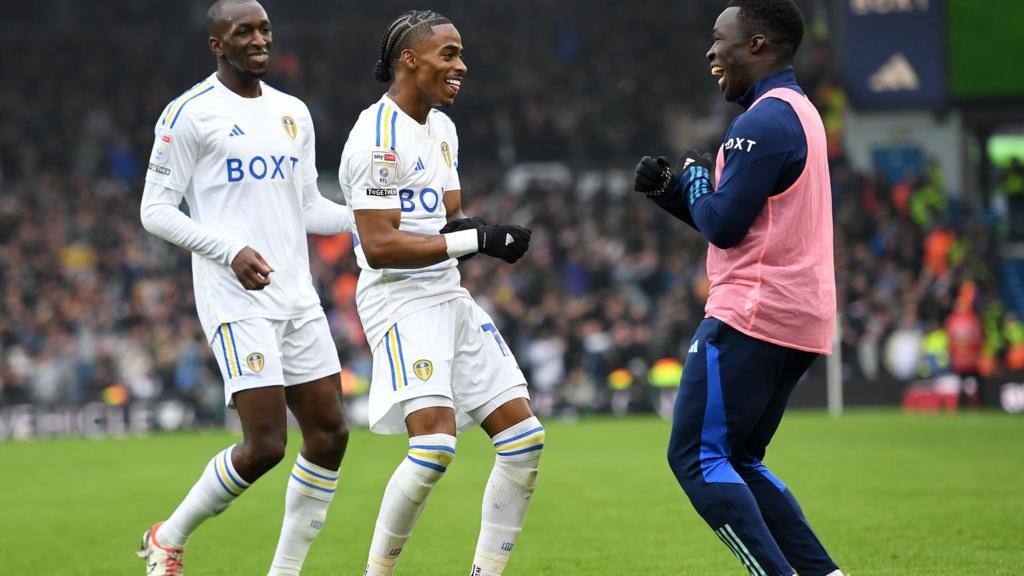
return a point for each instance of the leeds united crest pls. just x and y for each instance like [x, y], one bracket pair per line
[290, 126]
[423, 369]
[446, 152]
[255, 361]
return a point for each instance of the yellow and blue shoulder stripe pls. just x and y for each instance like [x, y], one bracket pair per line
[387, 118]
[178, 104]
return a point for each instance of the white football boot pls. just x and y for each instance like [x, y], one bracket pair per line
[161, 560]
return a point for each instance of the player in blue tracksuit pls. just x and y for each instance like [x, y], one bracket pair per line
[739, 373]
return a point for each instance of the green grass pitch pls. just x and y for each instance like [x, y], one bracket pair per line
[888, 494]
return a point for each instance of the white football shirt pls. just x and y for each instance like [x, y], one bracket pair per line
[241, 165]
[391, 161]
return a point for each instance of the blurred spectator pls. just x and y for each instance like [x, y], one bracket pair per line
[903, 349]
[545, 356]
[1013, 329]
[935, 347]
[965, 343]
[929, 199]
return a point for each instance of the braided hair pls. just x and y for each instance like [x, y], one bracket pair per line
[401, 34]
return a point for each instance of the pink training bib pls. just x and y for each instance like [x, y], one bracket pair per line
[778, 283]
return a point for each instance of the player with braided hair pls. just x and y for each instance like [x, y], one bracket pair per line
[405, 31]
[440, 364]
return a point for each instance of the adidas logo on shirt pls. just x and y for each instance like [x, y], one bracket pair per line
[236, 131]
[419, 165]
[693, 347]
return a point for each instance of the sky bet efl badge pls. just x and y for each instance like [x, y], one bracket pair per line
[162, 149]
[423, 369]
[255, 362]
[289, 126]
[384, 167]
[447, 153]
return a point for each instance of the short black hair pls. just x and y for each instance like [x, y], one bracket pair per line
[780, 21]
[403, 32]
[215, 15]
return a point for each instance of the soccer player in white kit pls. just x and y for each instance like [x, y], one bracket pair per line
[439, 363]
[242, 155]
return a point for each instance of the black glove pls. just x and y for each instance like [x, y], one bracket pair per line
[464, 224]
[695, 175]
[653, 176]
[506, 241]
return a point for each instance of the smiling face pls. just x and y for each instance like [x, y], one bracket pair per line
[439, 69]
[732, 54]
[243, 39]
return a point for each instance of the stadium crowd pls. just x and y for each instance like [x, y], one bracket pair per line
[94, 308]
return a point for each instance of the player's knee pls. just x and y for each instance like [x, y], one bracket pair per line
[431, 454]
[518, 451]
[339, 436]
[678, 464]
[266, 452]
[673, 461]
[428, 459]
[271, 456]
[329, 440]
[336, 441]
[522, 455]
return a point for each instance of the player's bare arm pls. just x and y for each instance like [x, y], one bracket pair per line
[385, 246]
[453, 205]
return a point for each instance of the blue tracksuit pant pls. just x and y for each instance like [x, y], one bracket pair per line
[731, 399]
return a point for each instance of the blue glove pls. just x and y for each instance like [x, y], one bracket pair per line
[695, 170]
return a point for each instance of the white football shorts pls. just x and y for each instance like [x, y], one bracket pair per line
[258, 352]
[450, 352]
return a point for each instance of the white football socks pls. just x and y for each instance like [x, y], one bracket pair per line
[508, 493]
[310, 491]
[404, 498]
[217, 488]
